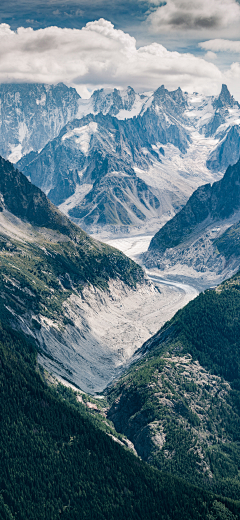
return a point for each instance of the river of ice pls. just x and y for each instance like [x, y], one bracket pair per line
[134, 247]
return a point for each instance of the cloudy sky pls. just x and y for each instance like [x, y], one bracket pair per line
[91, 44]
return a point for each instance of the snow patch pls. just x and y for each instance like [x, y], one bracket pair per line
[16, 153]
[42, 100]
[82, 135]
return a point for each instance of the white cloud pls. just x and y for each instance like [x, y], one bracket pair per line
[210, 55]
[232, 79]
[194, 15]
[234, 71]
[220, 45]
[99, 55]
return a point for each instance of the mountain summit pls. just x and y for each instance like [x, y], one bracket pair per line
[225, 99]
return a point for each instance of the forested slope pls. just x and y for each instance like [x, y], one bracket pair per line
[180, 404]
[56, 464]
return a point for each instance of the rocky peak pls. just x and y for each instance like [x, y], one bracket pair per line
[172, 101]
[179, 97]
[110, 101]
[129, 98]
[130, 90]
[160, 93]
[225, 99]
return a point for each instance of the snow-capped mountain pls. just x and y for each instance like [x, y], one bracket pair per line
[105, 170]
[123, 104]
[132, 160]
[33, 114]
[219, 118]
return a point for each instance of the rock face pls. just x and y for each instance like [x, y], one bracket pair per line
[204, 234]
[33, 114]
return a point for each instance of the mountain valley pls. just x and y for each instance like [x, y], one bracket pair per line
[87, 305]
[120, 383]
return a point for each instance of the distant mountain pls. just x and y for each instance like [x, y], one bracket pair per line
[121, 103]
[126, 103]
[204, 234]
[31, 114]
[148, 145]
[179, 402]
[99, 167]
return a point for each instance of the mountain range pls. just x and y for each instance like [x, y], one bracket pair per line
[123, 162]
[105, 413]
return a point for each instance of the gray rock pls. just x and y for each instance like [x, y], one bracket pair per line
[33, 114]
